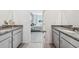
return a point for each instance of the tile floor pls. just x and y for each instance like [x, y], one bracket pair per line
[31, 45]
[49, 45]
[36, 45]
[36, 42]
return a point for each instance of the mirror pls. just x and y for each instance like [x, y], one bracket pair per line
[37, 20]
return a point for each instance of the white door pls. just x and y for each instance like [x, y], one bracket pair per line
[37, 39]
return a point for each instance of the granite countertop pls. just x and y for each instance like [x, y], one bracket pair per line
[38, 31]
[6, 29]
[68, 32]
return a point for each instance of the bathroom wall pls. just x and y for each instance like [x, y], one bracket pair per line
[50, 18]
[5, 15]
[70, 17]
[23, 17]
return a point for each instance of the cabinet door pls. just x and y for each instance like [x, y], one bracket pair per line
[19, 40]
[71, 40]
[16, 40]
[37, 40]
[56, 38]
[6, 43]
[65, 44]
[37, 37]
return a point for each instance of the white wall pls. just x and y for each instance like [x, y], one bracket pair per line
[70, 17]
[66, 17]
[5, 15]
[50, 18]
[22, 17]
[37, 12]
[76, 17]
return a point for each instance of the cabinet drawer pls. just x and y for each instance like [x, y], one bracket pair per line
[6, 43]
[5, 36]
[69, 39]
[65, 44]
[16, 31]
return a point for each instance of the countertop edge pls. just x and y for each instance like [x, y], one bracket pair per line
[16, 28]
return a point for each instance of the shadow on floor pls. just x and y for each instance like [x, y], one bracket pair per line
[23, 45]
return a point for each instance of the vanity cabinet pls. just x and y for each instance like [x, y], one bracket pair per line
[71, 41]
[56, 38]
[65, 44]
[62, 40]
[5, 40]
[17, 38]
[11, 37]
[38, 39]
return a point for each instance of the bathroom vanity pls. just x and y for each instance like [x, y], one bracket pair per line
[11, 36]
[64, 37]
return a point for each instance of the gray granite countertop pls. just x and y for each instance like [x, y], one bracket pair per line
[68, 32]
[6, 29]
[38, 31]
